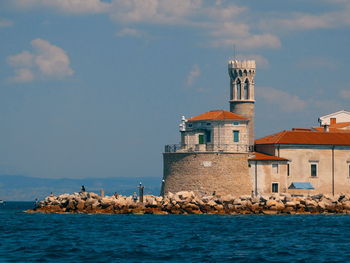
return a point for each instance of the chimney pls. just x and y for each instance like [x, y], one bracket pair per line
[333, 121]
[325, 128]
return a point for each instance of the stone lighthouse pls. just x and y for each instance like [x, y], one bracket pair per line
[242, 100]
[212, 157]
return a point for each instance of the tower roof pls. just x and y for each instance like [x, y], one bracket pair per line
[217, 115]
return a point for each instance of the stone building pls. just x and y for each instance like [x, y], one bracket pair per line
[319, 158]
[217, 153]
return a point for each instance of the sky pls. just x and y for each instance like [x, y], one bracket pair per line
[92, 88]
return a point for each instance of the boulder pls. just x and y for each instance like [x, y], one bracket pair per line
[93, 195]
[316, 197]
[346, 205]
[80, 206]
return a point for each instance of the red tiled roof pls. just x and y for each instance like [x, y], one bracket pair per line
[306, 137]
[336, 127]
[266, 157]
[340, 125]
[217, 115]
[321, 129]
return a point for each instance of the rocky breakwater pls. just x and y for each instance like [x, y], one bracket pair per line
[188, 203]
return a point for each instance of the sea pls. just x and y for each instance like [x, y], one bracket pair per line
[171, 238]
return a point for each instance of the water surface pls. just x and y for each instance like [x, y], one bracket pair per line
[171, 238]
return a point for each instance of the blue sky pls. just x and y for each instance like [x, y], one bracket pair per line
[93, 88]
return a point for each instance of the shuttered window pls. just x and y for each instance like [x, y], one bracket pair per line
[236, 136]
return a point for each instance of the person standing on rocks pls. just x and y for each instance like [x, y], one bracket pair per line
[82, 189]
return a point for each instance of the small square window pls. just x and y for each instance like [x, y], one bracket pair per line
[190, 125]
[208, 123]
[274, 187]
[236, 123]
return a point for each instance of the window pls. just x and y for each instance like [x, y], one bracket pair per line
[275, 168]
[274, 187]
[208, 123]
[246, 89]
[238, 89]
[236, 123]
[288, 169]
[348, 169]
[235, 136]
[313, 167]
[201, 138]
[190, 125]
[208, 136]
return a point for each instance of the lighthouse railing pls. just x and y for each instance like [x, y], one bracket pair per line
[174, 148]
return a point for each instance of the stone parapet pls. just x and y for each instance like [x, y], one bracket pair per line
[242, 64]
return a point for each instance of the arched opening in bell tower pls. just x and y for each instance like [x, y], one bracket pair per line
[238, 84]
[246, 89]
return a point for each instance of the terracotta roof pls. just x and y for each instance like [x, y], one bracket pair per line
[266, 157]
[340, 125]
[306, 137]
[320, 129]
[217, 115]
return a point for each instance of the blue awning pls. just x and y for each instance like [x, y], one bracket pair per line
[301, 185]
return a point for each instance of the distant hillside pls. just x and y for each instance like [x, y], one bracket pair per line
[23, 188]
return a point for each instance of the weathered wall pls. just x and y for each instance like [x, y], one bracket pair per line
[204, 173]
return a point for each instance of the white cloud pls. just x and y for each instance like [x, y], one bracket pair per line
[51, 60]
[193, 75]
[308, 21]
[5, 22]
[223, 23]
[67, 6]
[285, 101]
[345, 94]
[46, 61]
[23, 59]
[23, 75]
[130, 32]
[153, 11]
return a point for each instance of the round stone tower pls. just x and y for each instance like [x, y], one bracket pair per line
[242, 100]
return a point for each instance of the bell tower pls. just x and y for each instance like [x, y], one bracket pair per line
[242, 100]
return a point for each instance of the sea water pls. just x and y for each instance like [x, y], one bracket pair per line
[171, 238]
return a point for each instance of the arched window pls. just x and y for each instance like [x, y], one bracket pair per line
[240, 73]
[245, 72]
[246, 89]
[238, 84]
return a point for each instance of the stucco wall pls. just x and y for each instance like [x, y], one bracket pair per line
[204, 173]
[301, 157]
[263, 175]
[245, 109]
